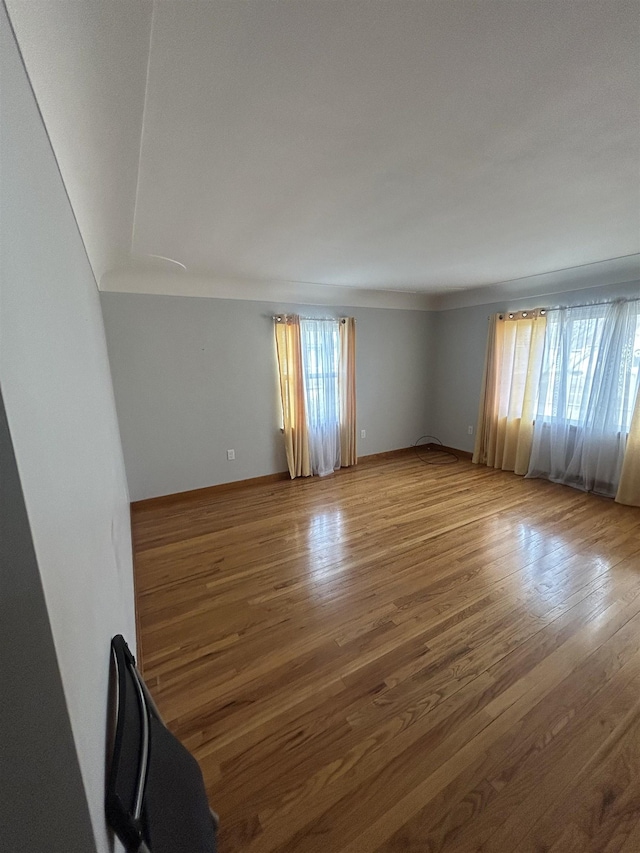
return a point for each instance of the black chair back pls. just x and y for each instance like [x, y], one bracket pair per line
[156, 799]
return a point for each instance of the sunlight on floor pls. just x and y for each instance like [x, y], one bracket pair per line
[325, 543]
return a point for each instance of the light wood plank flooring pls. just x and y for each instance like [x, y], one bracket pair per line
[401, 657]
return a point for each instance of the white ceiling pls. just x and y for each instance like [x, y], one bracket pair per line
[382, 144]
[87, 62]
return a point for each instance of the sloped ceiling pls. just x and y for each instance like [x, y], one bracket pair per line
[383, 144]
[87, 63]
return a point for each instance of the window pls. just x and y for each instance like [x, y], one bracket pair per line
[588, 388]
[321, 363]
[316, 366]
[592, 359]
[559, 396]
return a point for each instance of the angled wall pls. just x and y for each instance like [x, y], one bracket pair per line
[57, 392]
[42, 800]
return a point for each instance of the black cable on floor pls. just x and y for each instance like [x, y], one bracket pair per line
[433, 446]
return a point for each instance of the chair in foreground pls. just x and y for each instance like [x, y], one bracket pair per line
[156, 800]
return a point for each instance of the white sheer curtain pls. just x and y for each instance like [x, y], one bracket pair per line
[588, 387]
[321, 348]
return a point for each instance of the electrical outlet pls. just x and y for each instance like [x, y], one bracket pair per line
[363, 433]
[231, 455]
[470, 429]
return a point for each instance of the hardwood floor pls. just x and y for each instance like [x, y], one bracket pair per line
[401, 657]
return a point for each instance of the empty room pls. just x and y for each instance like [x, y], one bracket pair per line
[319, 373]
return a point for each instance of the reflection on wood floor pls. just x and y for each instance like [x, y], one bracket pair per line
[401, 657]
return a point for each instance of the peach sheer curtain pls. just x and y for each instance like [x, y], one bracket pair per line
[629, 486]
[508, 397]
[296, 437]
[347, 387]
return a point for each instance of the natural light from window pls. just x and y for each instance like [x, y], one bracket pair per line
[576, 356]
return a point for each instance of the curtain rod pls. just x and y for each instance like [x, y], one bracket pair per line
[593, 304]
[280, 317]
[526, 311]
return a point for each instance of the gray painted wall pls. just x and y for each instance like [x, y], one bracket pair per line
[194, 377]
[42, 801]
[461, 340]
[58, 397]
